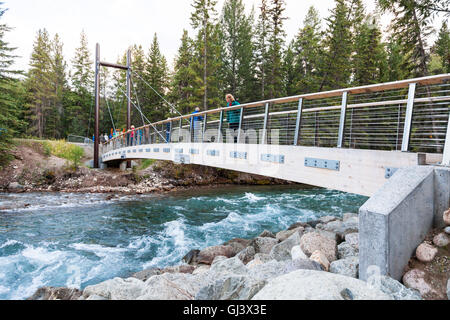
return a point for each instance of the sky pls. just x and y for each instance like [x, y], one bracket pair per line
[118, 24]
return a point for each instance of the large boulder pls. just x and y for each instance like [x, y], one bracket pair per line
[264, 245]
[231, 288]
[318, 285]
[172, 286]
[426, 252]
[352, 239]
[285, 234]
[50, 293]
[313, 241]
[302, 264]
[282, 251]
[267, 234]
[346, 250]
[415, 279]
[147, 274]
[247, 255]
[297, 253]
[117, 289]
[395, 289]
[238, 244]
[321, 259]
[342, 228]
[347, 267]
[208, 255]
[268, 270]
[191, 257]
[227, 267]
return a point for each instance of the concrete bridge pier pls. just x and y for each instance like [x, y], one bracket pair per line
[397, 218]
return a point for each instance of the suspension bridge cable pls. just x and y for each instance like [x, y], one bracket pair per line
[173, 108]
[109, 109]
[137, 100]
[138, 109]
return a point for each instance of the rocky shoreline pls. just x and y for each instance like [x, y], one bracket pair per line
[317, 260]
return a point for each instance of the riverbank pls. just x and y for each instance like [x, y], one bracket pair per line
[317, 260]
[34, 170]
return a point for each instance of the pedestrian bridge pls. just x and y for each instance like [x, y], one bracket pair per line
[351, 140]
[388, 141]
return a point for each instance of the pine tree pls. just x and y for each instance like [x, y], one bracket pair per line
[237, 50]
[182, 85]
[308, 50]
[370, 57]
[261, 59]
[411, 27]
[79, 115]
[336, 63]
[290, 71]
[39, 84]
[10, 94]
[275, 53]
[442, 48]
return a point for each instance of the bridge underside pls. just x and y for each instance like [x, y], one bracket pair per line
[361, 172]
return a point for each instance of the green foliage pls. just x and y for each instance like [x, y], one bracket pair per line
[64, 150]
[146, 163]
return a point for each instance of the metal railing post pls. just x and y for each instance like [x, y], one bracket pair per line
[241, 119]
[342, 122]
[408, 118]
[219, 134]
[446, 156]
[266, 122]
[191, 129]
[170, 132]
[298, 123]
[205, 122]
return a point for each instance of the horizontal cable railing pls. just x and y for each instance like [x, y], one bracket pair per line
[410, 115]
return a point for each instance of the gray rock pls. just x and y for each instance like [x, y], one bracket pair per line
[347, 267]
[342, 228]
[218, 259]
[95, 298]
[297, 225]
[268, 270]
[233, 266]
[348, 216]
[282, 251]
[448, 289]
[147, 274]
[247, 255]
[231, 288]
[264, 245]
[297, 253]
[173, 286]
[327, 219]
[446, 217]
[353, 240]
[317, 285]
[208, 255]
[50, 293]
[313, 223]
[313, 241]
[267, 234]
[15, 186]
[264, 257]
[426, 252]
[447, 230]
[395, 289]
[179, 269]
[117, 289]
[441, 240]
[330, 235]
[285, 234]
[346, 250]
[302, 264]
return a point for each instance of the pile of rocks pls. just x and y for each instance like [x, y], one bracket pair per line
[421, 279]
[317, 260]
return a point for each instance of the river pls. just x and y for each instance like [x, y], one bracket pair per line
[76, 240]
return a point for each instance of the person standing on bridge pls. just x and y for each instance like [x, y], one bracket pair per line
[233, 116]
[197, 125]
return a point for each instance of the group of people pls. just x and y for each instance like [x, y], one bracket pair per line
[134, 137]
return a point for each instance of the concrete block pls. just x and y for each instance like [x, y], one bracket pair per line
[442, 195]
[396, 220]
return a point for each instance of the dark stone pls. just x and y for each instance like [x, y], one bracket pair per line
[50, 293]
[207, 256]
[238, 245]
[302, 264]
[267, 234]
[347, 294]
[191, 257]
[297, 225]
[313, 223]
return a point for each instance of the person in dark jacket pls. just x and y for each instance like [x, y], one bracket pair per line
[197, 125]
[233, 116]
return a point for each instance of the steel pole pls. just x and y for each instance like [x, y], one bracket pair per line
[129, 97]
[97, 107]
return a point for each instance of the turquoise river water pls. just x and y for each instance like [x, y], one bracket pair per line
[76, 240]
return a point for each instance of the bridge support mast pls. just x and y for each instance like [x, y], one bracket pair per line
[99, 64]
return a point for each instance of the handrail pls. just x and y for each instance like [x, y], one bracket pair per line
[431, 80]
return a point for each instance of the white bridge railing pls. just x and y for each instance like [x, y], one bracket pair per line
[410, 116]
